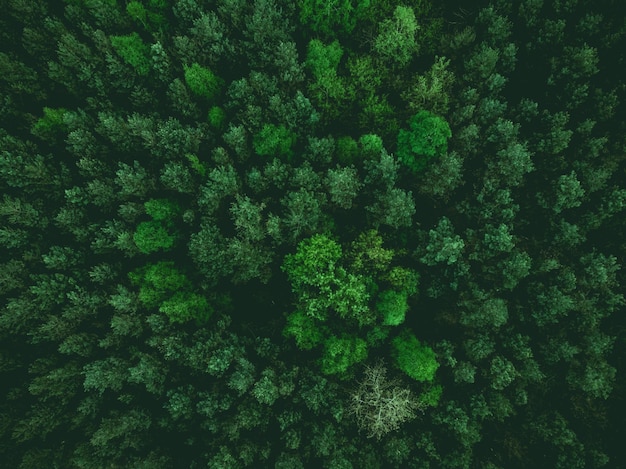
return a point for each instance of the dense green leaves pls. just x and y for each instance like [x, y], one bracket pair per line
[201, 81]
[133, 51]
[342, 352]
[152, 236]
[426, 139]
[396, 40]
[332, 16]
[273, 140]
[392, 305]
[220, 219]
[417, 360]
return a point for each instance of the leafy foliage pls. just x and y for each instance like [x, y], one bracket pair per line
[133, 51]
[201, 81]
[273, 140]
[418, 361]
[215, 214]
[427, 138]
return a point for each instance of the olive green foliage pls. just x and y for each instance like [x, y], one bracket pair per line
[162, 210]
[150, 16]
[156, 234]
[368, 254]
[323, 285]
[328, 89]
[307, 332]
[396, 40]
[185, 306]
[323, 59]
[431, 396]
[417, 360]
[133, 51]
[330, 17]
[201, 81]
[152, 236]
[431, 91]
[392, 306]
[444, 246]
[315, 233]
[157, 282]
[342, 352]
[314, 263]
[427, 138]
[51, 124]
[163, 286]
[274, 140]
[216, 117]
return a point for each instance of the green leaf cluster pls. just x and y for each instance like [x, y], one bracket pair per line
[133, 51]
[163, 286]
[415, 359]
[426, 139]
[156, 234]
[201, 81]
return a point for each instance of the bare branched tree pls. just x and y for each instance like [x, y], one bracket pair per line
[381, 405]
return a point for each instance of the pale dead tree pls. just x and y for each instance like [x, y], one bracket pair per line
[381, 405]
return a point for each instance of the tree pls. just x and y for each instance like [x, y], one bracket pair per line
[569, 192]
[201, 81]
[396, 38]
[307, 332]
[431, 91]
[314, 263]
[152, 236]
[330, 17]
[380, 405]
[323, 59]
[274, 140]
[185, 306]
[343, 186]
[162, 210]
[427, 138]
[157, 282]
[443, 245]
[502, 373]
[303, 213]
[340, 353]
[418, 361]
[368, 254]
[443, 176]
[51, 125]
[133, 51]
[394, 207]
[328, 89]
[133, 180]
[392, 306]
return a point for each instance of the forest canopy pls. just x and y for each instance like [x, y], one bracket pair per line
[314, 234]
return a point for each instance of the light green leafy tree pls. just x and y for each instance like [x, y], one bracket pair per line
[185, 306]
[134, 51]
[392, 306]
[201, 81]
[274, 140]
[152, 236]
[342, 352]
[306, 331]
[396, 42]
[157, 282]
[418, 361]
